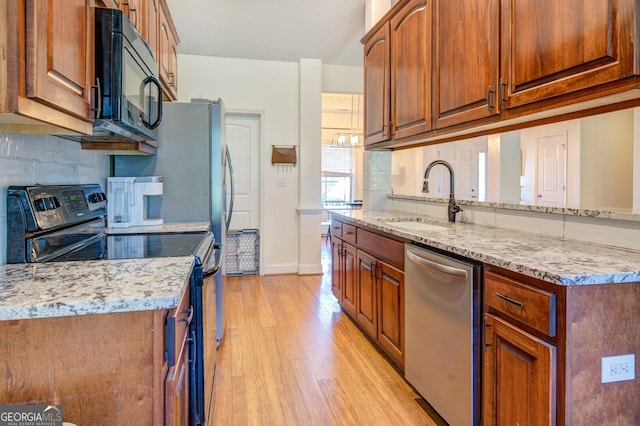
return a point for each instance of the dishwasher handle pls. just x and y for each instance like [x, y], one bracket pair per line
[438, 267]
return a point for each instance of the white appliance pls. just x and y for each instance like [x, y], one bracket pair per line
[128, 200]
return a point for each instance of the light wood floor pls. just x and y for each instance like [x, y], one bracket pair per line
[291, 357]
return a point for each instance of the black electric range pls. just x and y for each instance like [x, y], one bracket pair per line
[58, 223]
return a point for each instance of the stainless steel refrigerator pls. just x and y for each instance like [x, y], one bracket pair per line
[196, 166]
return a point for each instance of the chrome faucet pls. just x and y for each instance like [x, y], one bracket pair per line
[453, 208]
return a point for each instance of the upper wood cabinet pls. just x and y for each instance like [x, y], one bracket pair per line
[150, 27]
[465, 71]
[167, 53]
[552, 48]
[410, 36]
[376, 87]
[46, 70]
[398, 75]
[497, 65]
[134, 9]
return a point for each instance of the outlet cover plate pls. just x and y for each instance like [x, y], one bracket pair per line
[618, 368]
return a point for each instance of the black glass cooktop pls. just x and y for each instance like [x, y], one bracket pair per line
[133, 246]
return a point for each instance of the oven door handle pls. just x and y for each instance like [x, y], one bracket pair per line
[217, 249]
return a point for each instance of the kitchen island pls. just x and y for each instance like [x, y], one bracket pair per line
[91, 337]
[555, 260]
[553, 311]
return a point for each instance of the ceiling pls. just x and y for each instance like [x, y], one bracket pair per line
[272, 30]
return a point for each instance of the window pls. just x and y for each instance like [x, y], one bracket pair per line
[337, 175]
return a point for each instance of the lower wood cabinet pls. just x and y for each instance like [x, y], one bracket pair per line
[544, 345]
[391, 311]
[113, 366]
[343, 279]
[368, 285]
[519, 376]
[177, 391]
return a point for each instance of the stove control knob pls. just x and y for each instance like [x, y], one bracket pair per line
[97, 197]
[47, 203]
[39, 204]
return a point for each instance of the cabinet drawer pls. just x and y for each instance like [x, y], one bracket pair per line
[529, 305]
[349, 233]
[382, 247]
[336, 228]
[177, 327]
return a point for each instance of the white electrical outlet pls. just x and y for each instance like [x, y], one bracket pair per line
[618, 368]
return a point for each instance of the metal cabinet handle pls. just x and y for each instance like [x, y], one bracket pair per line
[503, 90]
[190, 317]
[510, 300]
[491, 93]
[444, 269]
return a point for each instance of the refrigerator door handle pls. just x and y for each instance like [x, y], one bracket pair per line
[233, 192]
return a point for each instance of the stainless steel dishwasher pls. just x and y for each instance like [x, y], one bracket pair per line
[442, 332]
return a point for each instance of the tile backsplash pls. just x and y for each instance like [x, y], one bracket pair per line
[37, 159]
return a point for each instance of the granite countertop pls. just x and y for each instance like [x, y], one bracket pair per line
[167, 227]
[555, 260]
[39, 290]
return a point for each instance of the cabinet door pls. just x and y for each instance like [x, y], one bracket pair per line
[59, 63]
[376, 87]
[177, 391]
[150, 32]
[337, 268]
[349, 296]
[519, 377]
[554, 47]
[367, 311]
[465, 60]
[410, 36]
[390, 290]
[134, 10]
[168, 57]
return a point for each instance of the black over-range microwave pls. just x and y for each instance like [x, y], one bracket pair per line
[129, 103]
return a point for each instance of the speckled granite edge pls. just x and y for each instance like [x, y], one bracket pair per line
[632, 216]
[100, 286]
[550, 259]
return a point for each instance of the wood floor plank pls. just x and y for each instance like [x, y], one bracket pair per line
[290, 356]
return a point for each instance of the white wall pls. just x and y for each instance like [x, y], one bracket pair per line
[271, 89]
[606, 164]
[31, 159]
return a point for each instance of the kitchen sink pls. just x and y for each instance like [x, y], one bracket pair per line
[412, 225]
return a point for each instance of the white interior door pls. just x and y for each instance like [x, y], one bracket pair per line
[552, 165]
[243, 141]
[464, 159]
